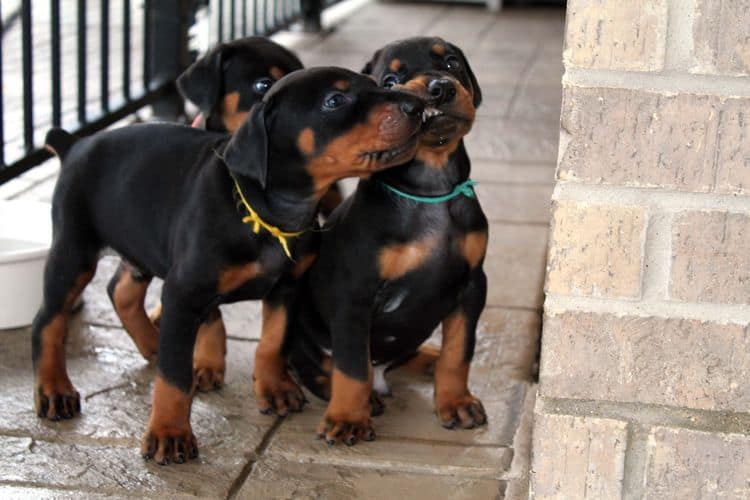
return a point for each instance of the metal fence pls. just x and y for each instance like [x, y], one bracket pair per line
[84, 65]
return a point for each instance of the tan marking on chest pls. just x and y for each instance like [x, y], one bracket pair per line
[306, 141]
[233, 277]
[276, 72]
[473, 247]
[230, 115]
[397, 260]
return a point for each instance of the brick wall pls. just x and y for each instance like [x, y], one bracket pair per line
[645, 362]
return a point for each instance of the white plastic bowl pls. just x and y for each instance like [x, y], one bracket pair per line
[25, 238]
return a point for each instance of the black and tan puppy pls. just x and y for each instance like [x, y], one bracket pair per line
[219, 219]
[403, 254]
[230, 78]
[225, 84]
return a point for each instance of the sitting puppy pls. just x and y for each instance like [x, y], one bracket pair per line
[403, 254]
[220, 219]
[225, 83]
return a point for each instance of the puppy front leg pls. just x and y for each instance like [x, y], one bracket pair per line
[454, 403]
[347, 417]
[169, 436]
[273, 386]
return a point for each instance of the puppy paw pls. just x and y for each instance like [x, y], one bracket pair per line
[56, 400]
[278, 394]
[464, 412]
[168, 444]
[345, 428]
[208, 378]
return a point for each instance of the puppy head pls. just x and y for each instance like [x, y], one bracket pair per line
[228, 80]
[319, 125]
[437, 72]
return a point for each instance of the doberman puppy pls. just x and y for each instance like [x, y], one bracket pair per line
[220, 219]
[403, 254]
[225, 84]
[230, 78]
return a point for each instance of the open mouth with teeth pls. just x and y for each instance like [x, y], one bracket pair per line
[388, 157]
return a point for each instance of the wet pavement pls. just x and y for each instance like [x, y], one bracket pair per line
[516, 57]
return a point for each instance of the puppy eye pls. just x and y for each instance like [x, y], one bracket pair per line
[334, 100]
[262, 85]
[390, 80]
[453, 63]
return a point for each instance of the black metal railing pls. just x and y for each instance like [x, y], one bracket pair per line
[84, 64]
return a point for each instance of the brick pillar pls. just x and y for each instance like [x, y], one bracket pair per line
[645, 367]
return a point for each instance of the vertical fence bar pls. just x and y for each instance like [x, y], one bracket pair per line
[82, 61]
[104, 55]
[311, 10]
[146, 44]
[265, 16]
[55, 49]
[244, 17]
[221, 21]
[256, 26]
[28, 84]
[126, 50]
[233, 18]
[2, 114]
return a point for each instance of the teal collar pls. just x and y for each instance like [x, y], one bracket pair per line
[465, 188]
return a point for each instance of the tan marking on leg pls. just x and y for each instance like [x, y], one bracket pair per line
[396, 260]
[474, 247]
[168, 435]
[273, 387]
[342, 84]
[230, 114]
[209, 353]
[51, 372]
[303, 264]
[276, 73]
[423, 363]
[128, 297]
[395, 65]
[306, 141]
[347, 416]
[454, 403]
[233, 277]
[438, 49]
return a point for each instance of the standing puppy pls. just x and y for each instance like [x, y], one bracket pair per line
[401, 256]
[225, 84]
[219, 219]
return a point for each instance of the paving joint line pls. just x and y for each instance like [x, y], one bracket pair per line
[236, 485]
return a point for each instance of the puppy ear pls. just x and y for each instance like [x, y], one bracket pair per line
[472, 78]
[202, 82]
[367, 70]
[247, 151]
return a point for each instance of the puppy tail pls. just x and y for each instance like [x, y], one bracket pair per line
[59, 142]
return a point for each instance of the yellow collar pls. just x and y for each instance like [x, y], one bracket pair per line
[253, 217]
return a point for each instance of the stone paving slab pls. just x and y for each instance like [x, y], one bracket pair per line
[275, 478]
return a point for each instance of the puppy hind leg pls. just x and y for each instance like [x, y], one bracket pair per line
[68, 271]
[127, 291]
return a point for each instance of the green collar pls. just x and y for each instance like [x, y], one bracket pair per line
[465, 188]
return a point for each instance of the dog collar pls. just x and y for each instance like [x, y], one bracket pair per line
[253, 218]
[466, 188]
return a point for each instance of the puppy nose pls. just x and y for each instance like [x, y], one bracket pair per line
[441, 91]
[411, 108]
